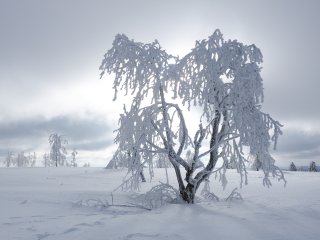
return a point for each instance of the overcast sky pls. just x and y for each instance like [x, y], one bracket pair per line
[50, 52]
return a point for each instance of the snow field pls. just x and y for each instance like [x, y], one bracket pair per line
[62, 203]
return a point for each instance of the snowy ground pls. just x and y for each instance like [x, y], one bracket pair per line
[43, 203]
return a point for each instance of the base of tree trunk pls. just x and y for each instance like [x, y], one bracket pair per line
[188, 194]
[143, 179]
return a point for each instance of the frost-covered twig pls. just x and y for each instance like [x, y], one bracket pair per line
[207, 194]
[104, 204]
[158, 196]
[234, 195]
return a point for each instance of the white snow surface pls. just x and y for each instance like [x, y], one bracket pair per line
[45, 203]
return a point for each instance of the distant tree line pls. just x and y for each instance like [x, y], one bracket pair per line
[20, 160]
[56, 157]
[255, 164]
[312, 167]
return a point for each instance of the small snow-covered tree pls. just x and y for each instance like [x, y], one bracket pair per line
[313, 167]
[222, 78]
[58, 150]
[256, 165]
[74, 159]
[46, 160]
[86, 165]
[32, 159]
[119, 160]
[292, 167]
[9, 161]
[22, 160]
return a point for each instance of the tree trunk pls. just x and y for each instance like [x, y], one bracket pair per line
[189, 193]
[143, 179]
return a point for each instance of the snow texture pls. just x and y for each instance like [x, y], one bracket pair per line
[70, 203]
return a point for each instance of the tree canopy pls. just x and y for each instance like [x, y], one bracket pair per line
[222, 78]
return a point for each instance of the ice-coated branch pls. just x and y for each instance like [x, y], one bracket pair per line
[136, 66]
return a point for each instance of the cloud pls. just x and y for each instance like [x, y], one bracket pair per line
[299, 145]
[94, 145]
[90, 133]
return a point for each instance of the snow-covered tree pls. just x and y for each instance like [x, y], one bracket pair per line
[222, 78]
[74, 159]
[292, 167]
[256, 165]
[313, 167]
[9, 161]
[22, 160]
[46, 160]
[128, 159]
[58, 150]
[119, 160]
[32, 159]
[86, 165]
